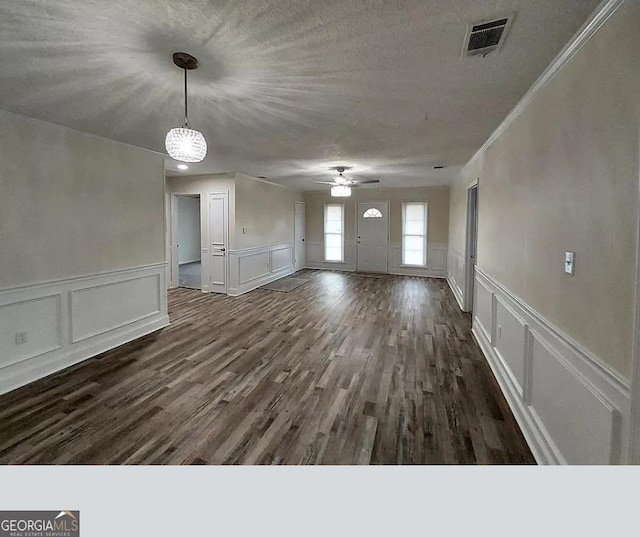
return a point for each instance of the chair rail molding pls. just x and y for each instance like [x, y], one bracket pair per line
[67, 321]
[572, 408]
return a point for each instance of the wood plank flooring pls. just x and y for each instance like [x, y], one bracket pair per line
[343, 370]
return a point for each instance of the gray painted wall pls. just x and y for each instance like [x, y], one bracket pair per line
[74, 204]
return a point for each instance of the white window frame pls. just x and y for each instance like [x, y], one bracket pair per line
[324, 233]
[426, 222]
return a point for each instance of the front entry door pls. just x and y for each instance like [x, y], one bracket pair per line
[373, 236]
[218, 220]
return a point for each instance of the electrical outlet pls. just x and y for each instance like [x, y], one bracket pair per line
[21, 337]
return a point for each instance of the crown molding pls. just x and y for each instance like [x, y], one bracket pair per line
[604, 11]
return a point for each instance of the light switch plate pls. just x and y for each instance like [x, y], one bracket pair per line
[569, 262]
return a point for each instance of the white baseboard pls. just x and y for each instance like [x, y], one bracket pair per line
[250, 268]
[330, 266]
[68, 321]
[571, 407]
[424, 273]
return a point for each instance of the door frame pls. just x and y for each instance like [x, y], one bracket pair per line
[471, 233]
[174, 270]
[304, 246]
[206, 250]
[388, 213]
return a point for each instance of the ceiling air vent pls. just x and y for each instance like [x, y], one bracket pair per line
[486, 36]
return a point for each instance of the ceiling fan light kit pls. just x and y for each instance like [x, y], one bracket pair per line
[184, 143]
[340, 191]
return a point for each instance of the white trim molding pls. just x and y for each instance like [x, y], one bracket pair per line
[606, 9]
[572, 408]
[67, 321]
[249, 268]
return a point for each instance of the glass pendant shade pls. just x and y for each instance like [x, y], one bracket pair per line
[340, 191]
[186, 145]
[183, 143]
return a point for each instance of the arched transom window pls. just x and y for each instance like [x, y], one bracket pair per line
[372, 213]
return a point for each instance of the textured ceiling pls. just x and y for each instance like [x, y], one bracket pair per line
[286, 88]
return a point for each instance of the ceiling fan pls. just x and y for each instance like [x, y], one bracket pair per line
[343, 181]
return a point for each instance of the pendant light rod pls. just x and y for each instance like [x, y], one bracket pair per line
[187, 62]
[186, 115]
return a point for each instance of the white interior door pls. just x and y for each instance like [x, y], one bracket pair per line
[218, 238]
[373, 236]
[298, 224]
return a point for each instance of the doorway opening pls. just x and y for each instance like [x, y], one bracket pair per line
[188, 246]
[472, 245]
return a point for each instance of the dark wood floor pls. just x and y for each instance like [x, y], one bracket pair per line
[343, 370]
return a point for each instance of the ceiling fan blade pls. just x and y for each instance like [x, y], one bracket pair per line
[369, 181]
[325, 182]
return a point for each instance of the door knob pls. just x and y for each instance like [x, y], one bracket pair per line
[223, 249]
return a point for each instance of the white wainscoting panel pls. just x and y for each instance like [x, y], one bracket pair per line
[250, 268]
[107, 306]
[68, 321]
[436, 262]
[39, 318]
[315, 257]
[483, 309]
[253, 266]
[455, 275]
[281, 258]
[510, 341]
[576, 417]
[571, 407]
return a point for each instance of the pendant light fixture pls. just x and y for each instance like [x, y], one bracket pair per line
[184, 143]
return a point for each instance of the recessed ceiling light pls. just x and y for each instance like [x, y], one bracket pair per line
[183, 167]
